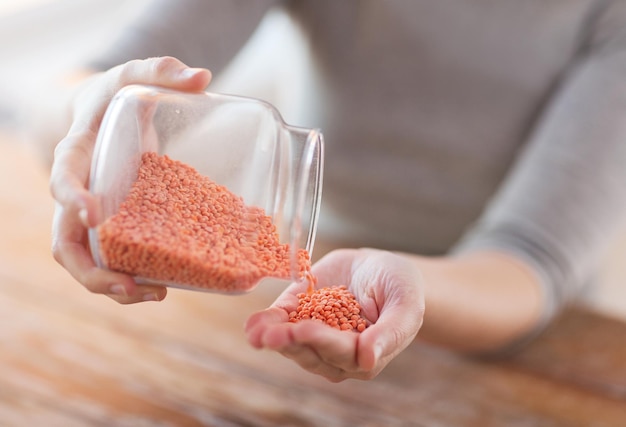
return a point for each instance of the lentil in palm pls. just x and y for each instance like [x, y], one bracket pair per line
[336, 306]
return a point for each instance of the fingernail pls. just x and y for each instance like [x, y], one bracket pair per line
[151, 297]
[119, 290]
[188, 73]
[84, 217]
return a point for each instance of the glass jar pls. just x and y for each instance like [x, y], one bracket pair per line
[204, 191]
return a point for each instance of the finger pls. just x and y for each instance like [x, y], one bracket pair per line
[335, 268]
[308, 359]
[161, 71]
[69, 178]
[330, 346]
[166, 72]
[145, 116]
[334, 347]
[121, 287]
[258, 323]
[70, 250]
[287, 301]
[280, 337]
[394, 330]
[143, 293]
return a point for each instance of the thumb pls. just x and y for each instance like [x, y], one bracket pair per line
[393, 332]
[160, 71]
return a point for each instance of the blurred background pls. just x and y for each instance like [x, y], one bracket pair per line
[40, 38]
[43, 38]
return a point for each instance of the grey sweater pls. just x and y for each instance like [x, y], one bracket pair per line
[451, 125]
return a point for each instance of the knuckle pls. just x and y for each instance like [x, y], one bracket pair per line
[369, 375]
[91, 283]
[124, 74]
[56, 183]
[75, 144]
[164, 64]
[125, 71]
[57, 251]
[60, 148]
[87, 279]
[53, 185]
[144, 70]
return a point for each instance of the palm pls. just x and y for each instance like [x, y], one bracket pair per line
[387, 286]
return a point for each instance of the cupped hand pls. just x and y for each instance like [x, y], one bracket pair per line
[76, 209]
[390, 291]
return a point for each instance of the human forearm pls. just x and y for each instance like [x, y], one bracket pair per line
[479, 302]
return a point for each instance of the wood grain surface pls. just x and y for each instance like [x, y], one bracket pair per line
[70, 358]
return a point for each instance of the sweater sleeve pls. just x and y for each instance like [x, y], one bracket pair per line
[565, 198]
[201, 33]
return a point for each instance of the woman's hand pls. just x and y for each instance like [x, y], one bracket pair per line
[390, 291]
[75, 207]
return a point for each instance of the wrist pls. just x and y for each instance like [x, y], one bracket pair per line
[479, 302]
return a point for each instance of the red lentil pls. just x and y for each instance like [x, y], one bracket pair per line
[178, 227]
[336, 306]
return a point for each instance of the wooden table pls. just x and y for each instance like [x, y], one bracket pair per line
[69, 358]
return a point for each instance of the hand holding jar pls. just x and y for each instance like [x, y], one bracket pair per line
[76, 208]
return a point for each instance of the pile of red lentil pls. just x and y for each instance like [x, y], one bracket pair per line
[178, 227]
[335, 306]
